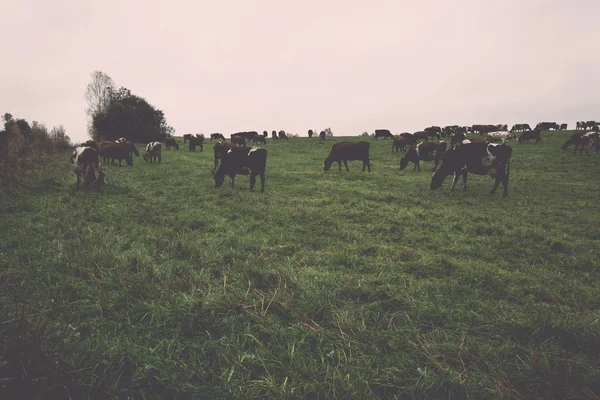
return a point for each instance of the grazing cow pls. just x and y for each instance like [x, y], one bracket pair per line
[121, 140]
[477, 158]
[112, 151]
[243, 161]
[196, 141]
[426, 151]
[572, 140]
[400, 142]
[425, 135]
[216, 136]
[259, 139]
[282, 135]
[457, 138]
[546, 126]
[563, 127]
[528, 135]
[85, 163]
[384, 133]
[409, 137]
[221, 148]
[153, 151]
[322, 135]
[348, 151]
[187, 137]
[238, 139]
[585, 142]
[310, 133]
[170, 142]
[500, 136]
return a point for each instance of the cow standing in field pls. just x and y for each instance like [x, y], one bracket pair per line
[348, 151]
[491, 159]
[500, 136]
[259, 139]
[426, 135]
[238, 139]
[384, 133]
[310, 133]
[196, 141]
[153, 152]
[528, 135]
[400, 142]
[187, 137]
[434, 131]
[221, 148]
[112, 151]
[171, 143]
[426, 151]
[410, 138]
[283, 135]
[85, 163]
[582, 141]
[242, 161]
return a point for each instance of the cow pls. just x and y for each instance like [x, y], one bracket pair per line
[528, 135]
[153, 152]
[121, 140]
[196, 141]
[243, 161]
[457, 138]
[501, 127]
[348, 151]
[410, 138]
[477, 158]
[259, 139]
[483, 129]
[573, 139]
[187, 137]
[221, 148]
[282, 135]
[92, 144]
[590, 124]
[85, 163]
[546, 126]
[310, 133]
[322, 135]
[112, 151]
[500, 136]
[584, 142]
[384, 133]
[563, 127]
[238, 139]
[426, 151]
[434, 131]
[425, 135]
[170, 142]
[216, 136]
[400, 142]
[274, 135]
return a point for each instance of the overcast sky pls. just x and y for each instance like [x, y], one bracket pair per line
[350, 65]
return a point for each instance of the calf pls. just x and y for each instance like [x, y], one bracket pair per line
[243, 161]
[85, 163]
[260, 139]
[118, 151]
[384, 133]
[477, 158]
[238, 139]
[216, 136]
[348, 151]
[400, 142]
[187, 137]
[526, 136]
[153, 151]
[196, 141]
[426, 151]
[221, 148]
[170, 142]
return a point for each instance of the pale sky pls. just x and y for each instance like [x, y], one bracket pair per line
[350, 65]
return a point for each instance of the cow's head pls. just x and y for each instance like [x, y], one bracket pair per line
[403, 162]
[219, 177]
[327, 164]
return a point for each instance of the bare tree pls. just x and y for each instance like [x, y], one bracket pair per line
[98, 93]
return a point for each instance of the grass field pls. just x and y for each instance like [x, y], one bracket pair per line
[329, 285]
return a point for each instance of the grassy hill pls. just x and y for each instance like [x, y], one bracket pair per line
[328, 285]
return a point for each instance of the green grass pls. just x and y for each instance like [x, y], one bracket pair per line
[328, 285]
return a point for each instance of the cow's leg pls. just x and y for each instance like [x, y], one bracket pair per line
[262, 182]
[418, 165]
[346, 165]
[464, 174]
[252, 181]
[339, 165]
[159, 158]
[78, 179]
[201, 147]
[497, 183]
[454, 180]
[368, 165]
[231, 180]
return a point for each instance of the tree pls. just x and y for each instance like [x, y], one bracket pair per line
[99, 93]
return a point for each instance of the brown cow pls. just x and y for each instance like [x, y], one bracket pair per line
[238, 139]
[400, 142]
[118, 151]
[384, 133]
[426, 151]
[216, 136]
[221, 148]
[491, 159]
[425, 135]
[348, 151]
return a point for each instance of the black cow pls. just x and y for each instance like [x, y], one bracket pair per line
[348, 151]
[384, 133]
[242, 161]
[528, 135]
[310, 133]
[477, 158]
[426, 151]
[563, 127]
[426, 135]
[196, 141]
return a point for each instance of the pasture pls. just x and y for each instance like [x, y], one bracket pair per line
[329, 285]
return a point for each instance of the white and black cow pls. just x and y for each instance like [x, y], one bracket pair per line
[153, 152]
[85, 163]
[121, 140]
[425, 151]
[242, 161]
[500, 136]
[491, 159]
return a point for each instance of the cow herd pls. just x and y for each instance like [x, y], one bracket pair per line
[487, 155]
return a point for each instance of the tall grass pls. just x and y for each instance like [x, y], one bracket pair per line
[328, 285]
